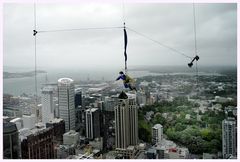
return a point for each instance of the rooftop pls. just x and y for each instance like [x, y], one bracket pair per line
[70, 133]
[123, 95]
[152, 150]
[130, 148]
[131, 95]
[65, 81]
[92, 109]
[47, 89]
[55, 120]
[25, 132]
[28, 116]
[157, 126]
[78, 90]
[15, 120]
[9, 127]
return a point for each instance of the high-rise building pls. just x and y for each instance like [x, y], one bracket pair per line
[126, 122]
[109, 104]
[11, 149]
[78, 97]
[66, 102]
[37, 143]
[47, 104]
[58, 126]
[107, 117]
[122, 123]
[157, 133]
[78, 108]
[133, 119]
[229, 138]
[92, 123]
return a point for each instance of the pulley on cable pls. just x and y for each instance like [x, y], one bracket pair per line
[191, 63]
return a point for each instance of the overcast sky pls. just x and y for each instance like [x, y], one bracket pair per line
[170, 24]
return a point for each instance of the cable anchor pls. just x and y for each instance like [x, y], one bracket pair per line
[35, 32]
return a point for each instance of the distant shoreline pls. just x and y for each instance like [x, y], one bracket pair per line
[8, 75]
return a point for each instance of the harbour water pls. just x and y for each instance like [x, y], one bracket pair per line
[18, 86]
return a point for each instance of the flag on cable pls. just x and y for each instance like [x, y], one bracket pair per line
[125, 47]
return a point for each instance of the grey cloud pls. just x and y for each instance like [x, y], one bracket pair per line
[171, 24]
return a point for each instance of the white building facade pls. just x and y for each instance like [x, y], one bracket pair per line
[47, 104]
[157, 133]
[70, 138]
[29, 121]
[126, 122]
[229, 138]
[92, 123]
[66, 104]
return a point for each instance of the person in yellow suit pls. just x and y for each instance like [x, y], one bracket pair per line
[127, 81]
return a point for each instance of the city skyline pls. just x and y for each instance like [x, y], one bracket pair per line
[167, 118]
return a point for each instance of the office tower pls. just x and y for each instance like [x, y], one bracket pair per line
[109, 104]
[58, 126]
[92, 123]
[78, 97]
[78, 108]
[66, 102]
[229, 138]
[11, 149]
[37, 143]
[133, 119]
[47, 104]
[107, 117]
[157, 133]
[126, 122]
[122, 124]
